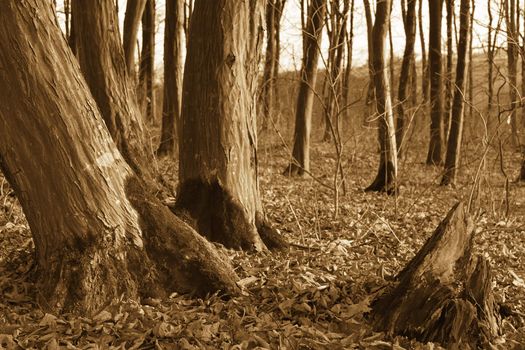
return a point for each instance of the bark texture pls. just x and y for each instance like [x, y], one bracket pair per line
[147, 62]
[456, 122]
[274, 11]
[303, 114]
[406, 66]
[98, 234]
[444, 293]
[101, 58]
[219, 190]
[173, 73]
[385, 180]
[134, 10]
[434, 156]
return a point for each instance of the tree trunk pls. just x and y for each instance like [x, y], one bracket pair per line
[303, 114]
[219, 190]
[490, 61]
[336, 27]
[134, 10]
[444, 293]
[349, 56]
[385, 180]
[273, 17]
[98, 234]
[370, 93]
[408, 57]
[448, 74]
[512, 61]
[147, 61]
[424, 65]
[101, 59]
[436, 83]
[173, 74]
[456, 122]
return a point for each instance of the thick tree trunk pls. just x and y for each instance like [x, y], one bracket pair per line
[456, 122]
[406, 66]
[173, 73]
[101, 59]
[147, 62]
[434, 156]
[385, 180]
[303, 115]
[98, 234]
[490, 61]
[444, 293]
[219, 190]
[134, 10]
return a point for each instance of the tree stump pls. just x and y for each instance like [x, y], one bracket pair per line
[444, 293]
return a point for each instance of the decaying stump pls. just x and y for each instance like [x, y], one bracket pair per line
[444, 293]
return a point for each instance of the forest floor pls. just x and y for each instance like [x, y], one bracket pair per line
[312, 296]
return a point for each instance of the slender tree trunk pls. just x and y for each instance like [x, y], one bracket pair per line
[303, 115]
[490, 61]
[448, 74]
[219, 189]
[456, 122]
[173, 73]
[385, 180]
[436, 83]
[336, 28]
[471, 66]
[134, 10]
[370, 93]
[424, 65]
[147, 61]
[98, 235]
[101, 59]
[348, 68]
[404, 76]
[273, 17]
[510, 10]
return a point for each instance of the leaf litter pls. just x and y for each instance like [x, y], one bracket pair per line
[314, 296]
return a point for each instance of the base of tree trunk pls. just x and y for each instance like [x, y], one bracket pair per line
[444, 293]
[293, 170]
[166, 256]
[215, 214]
[385, 179]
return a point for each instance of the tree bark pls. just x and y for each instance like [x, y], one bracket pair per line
[147, 62]
[370, 93]
[424, 64]
[434, 156]
[173, 75]
[101, 59]
[98, 234]
[456, 122]
[274, 10]
[406, 65]
[512, 62]
[219, 190]
[349, 57]
[448, 74]
[444, 293]
[134, 10]
[303, 115]
[385, 180]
